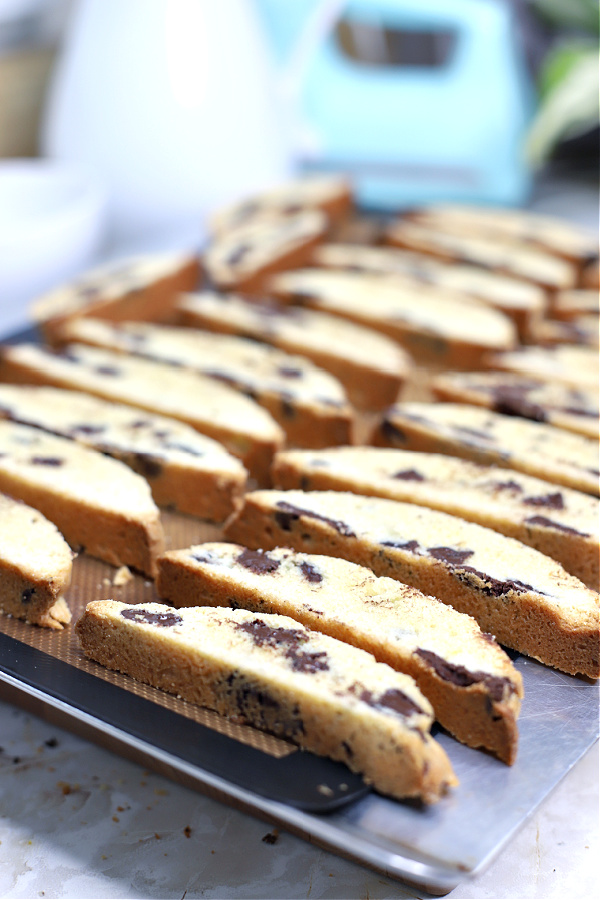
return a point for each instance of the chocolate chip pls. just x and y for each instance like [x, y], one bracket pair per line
[184, 448]
[507, 486]
[493, 587]
[288, 513]
[450, 555]
[462, 677]
[548, 523]
[290, 372]
[392, 699]
[87, 429]
[410, 546]
[552, 501]
[46, 461]
[311, 573]
[112, 371]
[258, 561]
[408, 475]
[147, 465]
[161, 619]
[290, 639]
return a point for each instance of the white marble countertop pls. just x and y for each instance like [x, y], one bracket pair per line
[79, 822]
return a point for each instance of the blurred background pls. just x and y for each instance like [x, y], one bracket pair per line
[123, 123]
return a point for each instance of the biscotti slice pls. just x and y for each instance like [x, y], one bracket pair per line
[371, 366]
[432, 328]
[473, 687]
[572, 365]
[522, 301]
[548, 271]
[326, 696]
[568, 305]
[308, 403]
[563, 524]
[525, 599]
[331, 194]
[572, 408]
[35, 566]
[96, 502]
[214, 409]
[140, 287]
[491, 438]
[186, 470]
[584, 330]
[524, 227]
[243, 258]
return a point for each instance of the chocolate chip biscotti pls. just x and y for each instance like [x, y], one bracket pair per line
[525, 599]
[371, 367]
[140, 287]
[308, 403]
[488, 437]
[573, 408]
[563, 524]
[35, 566]
[243, 258]
[324, 695]
[432, 328]
[186, 470]
[331, 194]
[563, 363]
[214, 409]
[551, 234]
[96, 502]
[473, 687]
[522, 301]
[530, 264]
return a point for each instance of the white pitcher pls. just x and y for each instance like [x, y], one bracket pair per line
[173, 103]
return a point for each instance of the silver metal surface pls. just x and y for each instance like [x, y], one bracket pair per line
[435, 847]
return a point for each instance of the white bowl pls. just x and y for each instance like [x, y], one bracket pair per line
[52, 226]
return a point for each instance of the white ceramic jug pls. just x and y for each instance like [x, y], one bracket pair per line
[173, 103]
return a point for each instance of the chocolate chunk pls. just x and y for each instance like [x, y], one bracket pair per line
[183, 448]
[147, 465]
[290, 372]
[258, 561]
[474, 432]
[161, 619]
[237, 255]
[311, 573]
[507, 486]
[112, 371]
[289, 513]
[408, 475]
[392, 699]
[47, 461]
[493, 587]
[509, 404]
[450, 555]
[27, 595]
[411, 546]
[552, 501]
[87, 429]
[462, 677]
[290, 639]
[548, 523]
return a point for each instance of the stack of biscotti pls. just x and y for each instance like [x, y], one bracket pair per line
[565, 406]
[525, 303]
[242, 258]
[567, 364]
[584, 330]
[561, 523]
[433, 329]
[331, 194]
[214, 409]
[488, 437]
[524, 598]
[308, 403]
[371, 367]
[506, 257]
[272, 673]
[567, 305]
[186, 470]
[96, 502]
[140, 287]
[35, 566]
[473, 687]
[524, 227]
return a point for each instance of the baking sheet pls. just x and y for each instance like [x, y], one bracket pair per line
[435, 848]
